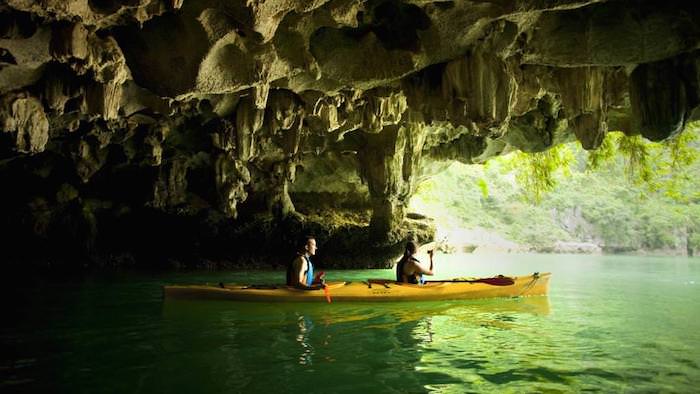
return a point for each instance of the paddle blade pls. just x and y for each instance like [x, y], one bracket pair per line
[497, 281]
[327, 293]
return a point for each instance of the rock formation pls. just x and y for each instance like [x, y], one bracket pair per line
[208, 130]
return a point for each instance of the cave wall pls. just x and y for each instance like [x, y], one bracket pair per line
[197, 130]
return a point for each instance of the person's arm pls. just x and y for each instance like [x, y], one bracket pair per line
[297, 272]
[422, 269]
[300, 264]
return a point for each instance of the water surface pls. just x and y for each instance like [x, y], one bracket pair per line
[610, 324]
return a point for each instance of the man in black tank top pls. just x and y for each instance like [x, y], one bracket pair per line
[300, 272]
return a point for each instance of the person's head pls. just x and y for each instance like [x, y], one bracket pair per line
[411, 249]
[308, 245]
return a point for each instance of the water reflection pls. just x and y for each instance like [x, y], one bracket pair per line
[306, 325]
[369, 346]
[494, 312]
[423, 331]
[110, 337]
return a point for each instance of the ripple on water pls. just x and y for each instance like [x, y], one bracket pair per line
[611, 328]
[688, 363]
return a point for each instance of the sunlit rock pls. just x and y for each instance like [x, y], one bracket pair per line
[23, 117]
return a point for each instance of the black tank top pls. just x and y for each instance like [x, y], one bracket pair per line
[399, 271]
[290, 269]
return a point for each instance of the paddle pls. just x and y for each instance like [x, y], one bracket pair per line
[327, 293]
[495, 281]
[321, 277]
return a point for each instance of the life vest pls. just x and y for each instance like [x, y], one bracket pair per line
[415, 278]
[309, 272]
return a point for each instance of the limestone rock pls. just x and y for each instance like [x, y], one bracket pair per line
[220, 115]
[612, 34]
[22, 58]
[659, 99]
[170, 189]
[97, 13]
[231, 178]
[24, 118]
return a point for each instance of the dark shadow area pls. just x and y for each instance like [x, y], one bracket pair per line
[110, 6]
[395, 24]
[16, 24]
[164, 56]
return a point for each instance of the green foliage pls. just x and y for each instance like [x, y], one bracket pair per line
[636, 154]
[630, 194]
[682, 147]
[676, 171]
[656, 166]
[484, 187]
[537, 172]
[605, 153]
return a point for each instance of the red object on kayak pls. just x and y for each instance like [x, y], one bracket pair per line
[497, 281]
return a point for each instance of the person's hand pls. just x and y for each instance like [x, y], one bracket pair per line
[320, 278]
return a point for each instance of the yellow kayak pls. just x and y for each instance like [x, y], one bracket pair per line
[373, 290]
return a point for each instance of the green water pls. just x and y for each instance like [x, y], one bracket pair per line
[610, 324]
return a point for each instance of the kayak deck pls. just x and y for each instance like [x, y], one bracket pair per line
[373, 290]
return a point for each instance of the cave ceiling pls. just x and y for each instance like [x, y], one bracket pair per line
[219, 105]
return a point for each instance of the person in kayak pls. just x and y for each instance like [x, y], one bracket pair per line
[300, 272]
[409, 269]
